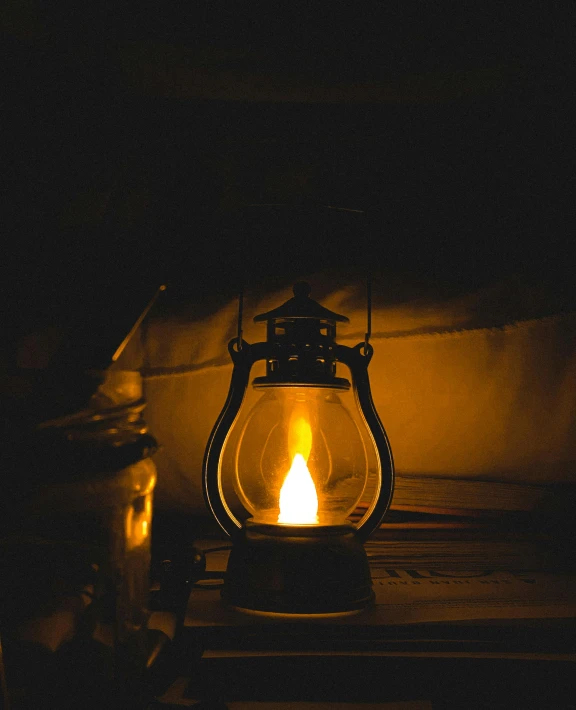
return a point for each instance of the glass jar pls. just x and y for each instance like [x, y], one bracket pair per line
[75, 524]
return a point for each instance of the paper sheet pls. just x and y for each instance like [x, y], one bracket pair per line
[416, 595]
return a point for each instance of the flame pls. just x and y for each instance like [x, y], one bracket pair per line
[298, 497]
[299, 437]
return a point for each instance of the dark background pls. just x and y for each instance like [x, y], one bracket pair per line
[137, 134]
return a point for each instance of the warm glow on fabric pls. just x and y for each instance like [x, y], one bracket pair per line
[298, 497]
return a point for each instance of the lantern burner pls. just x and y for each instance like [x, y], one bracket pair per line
[298, 570]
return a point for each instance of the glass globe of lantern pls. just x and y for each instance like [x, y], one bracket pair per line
[300, 458]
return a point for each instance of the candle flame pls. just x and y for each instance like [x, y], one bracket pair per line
[298, 497]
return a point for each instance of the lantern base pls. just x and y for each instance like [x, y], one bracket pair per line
[298, 570]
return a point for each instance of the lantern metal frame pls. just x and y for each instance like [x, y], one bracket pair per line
[292, 553]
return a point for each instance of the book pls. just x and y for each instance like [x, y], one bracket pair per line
[461, 496]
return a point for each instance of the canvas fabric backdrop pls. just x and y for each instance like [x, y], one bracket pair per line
[457, 399]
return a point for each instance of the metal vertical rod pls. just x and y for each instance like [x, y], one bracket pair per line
[4, 697]
[368, 312]
[138, 323]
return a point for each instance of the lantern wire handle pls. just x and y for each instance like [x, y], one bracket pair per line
[368, 314]
[240, 314]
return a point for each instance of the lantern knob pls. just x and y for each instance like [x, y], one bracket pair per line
[302, 289]
[301, 307]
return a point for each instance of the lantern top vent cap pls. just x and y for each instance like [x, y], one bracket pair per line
[301, 306]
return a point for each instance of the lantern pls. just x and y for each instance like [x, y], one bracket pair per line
[282, 474]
